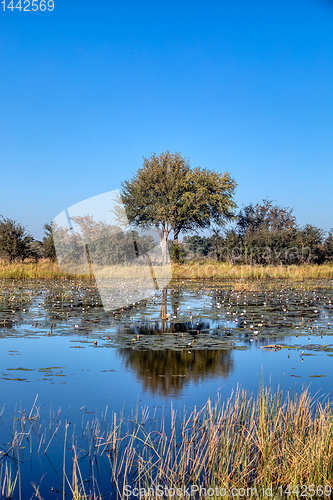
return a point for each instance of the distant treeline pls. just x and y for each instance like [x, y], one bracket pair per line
[107, 244]
[264, 234]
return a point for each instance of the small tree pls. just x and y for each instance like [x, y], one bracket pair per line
[35, 250]
[311, 240]
[268, 233]
[177, 252]
[168, 194]
[265, 216]
[197, 245]
[328, 247]
[48, 243]
[228, 247]
[14, 240]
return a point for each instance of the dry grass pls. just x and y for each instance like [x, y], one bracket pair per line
[246, 442]
[192, 270]
[42, 269]
[218, 270]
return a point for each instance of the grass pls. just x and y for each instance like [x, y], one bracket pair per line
[252, 442]
[7, 482]
[42, 269]
[190, 270]
[213, 269]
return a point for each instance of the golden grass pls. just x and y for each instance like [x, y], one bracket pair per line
[42, 269]
[249, 442]
[216, 270]
[191, 270]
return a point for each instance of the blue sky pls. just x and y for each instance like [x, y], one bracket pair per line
[90, 88]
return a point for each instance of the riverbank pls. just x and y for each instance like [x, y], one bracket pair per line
[190, 270]
[41, 269]
[211, 269]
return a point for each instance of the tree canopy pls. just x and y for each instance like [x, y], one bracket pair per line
[170, 195]
[265, 216]
[14, 240]
[265, 234]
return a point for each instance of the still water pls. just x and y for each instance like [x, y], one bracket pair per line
[194, 341]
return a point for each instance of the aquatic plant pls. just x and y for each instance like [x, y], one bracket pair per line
[271, 440]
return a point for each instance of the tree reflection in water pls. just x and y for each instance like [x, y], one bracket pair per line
[170, 371]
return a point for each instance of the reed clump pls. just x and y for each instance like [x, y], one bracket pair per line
[250, 443]
[270, 441]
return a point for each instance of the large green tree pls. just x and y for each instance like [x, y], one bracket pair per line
[170, 195]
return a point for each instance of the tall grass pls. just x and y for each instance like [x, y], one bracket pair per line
[252, 442]
[246, 443]
[41, 269]
[213, 269]
[192, 270]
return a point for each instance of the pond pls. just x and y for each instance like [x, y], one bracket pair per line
[68, 364]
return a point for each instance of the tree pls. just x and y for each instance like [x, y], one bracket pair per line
[177, 252]
[14, 240]
[268, 216]
[198, 245]
[48, 243]
[108, 244]
[35, 250]
[168, 194]
[311, 239]
[328, 247]
[268, 233]
[228, 247]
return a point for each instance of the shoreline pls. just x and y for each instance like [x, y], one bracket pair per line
[190, 270]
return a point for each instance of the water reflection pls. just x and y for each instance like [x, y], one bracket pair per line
[157, 327]
[168, 343]
[194, 308]
[167, 372]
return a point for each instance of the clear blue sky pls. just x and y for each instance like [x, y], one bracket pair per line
[238, 86]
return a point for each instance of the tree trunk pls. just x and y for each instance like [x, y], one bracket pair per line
[175, 236]
[164, 248]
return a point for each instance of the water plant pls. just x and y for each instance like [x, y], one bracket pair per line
[271, 440]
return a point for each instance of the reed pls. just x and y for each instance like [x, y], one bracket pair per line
[249, 443]
[8, 482]
[271, 440]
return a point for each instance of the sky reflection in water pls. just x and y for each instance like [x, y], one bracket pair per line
[57, 341]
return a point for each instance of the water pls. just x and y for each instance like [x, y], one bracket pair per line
[57, 342]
